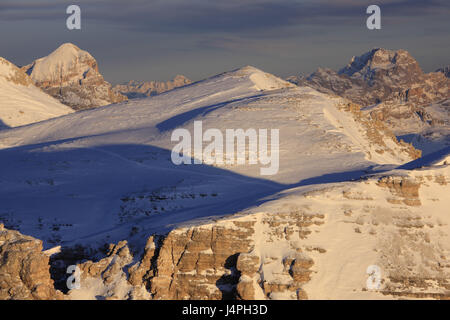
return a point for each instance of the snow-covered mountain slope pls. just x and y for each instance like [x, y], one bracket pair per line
[21, 102]
[71, 75]
[99, 173]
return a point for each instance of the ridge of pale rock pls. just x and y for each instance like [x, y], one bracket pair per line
[381, 75]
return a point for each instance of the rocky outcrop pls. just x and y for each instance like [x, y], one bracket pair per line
[198, 263]
[24, 268]
[405, 189]
[141, 89]
[71, 75]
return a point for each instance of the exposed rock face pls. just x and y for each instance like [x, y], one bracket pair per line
[381, 75]
[71, 75]
[24, 268]
[199, 263]
[141, 89]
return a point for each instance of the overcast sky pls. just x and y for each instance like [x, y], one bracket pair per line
[157, 39]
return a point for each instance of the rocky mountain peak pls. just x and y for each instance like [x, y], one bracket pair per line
[381, 75]
[379, 63]
[67, 63]
[71, 75]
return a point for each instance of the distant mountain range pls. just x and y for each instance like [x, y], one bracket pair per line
[141, 89]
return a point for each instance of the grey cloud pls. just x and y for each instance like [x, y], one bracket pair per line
[206, 16]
